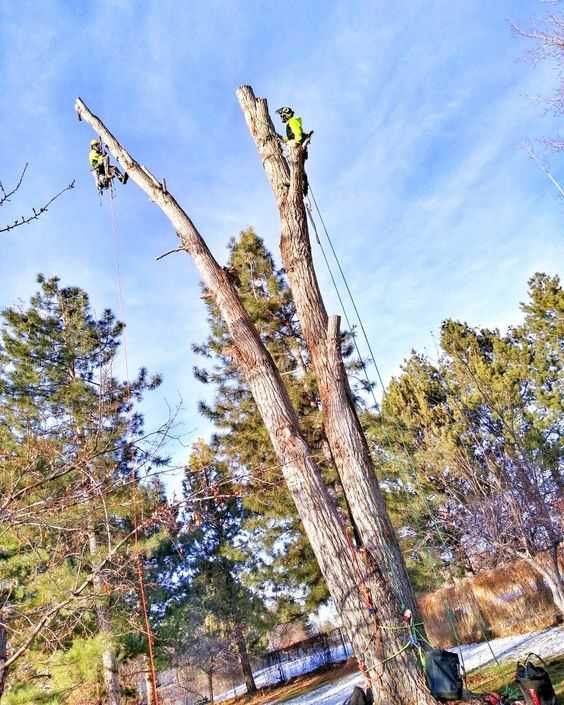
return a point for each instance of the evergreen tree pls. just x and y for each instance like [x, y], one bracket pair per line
[484, 429]
[213, 613]
[72, 446]
[282, 559]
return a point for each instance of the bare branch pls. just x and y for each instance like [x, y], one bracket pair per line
[545, 169]
[170, 252]
[24, 220]
[6, 194]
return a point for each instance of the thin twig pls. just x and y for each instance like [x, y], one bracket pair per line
[544, 168]
[5, 196]
[24, 220]
[170, 252]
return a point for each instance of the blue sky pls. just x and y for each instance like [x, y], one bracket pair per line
[419, 109]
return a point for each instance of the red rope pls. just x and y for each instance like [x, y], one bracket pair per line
[134, 489]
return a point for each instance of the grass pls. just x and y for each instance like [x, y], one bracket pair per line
[491, 678]
[496, 678]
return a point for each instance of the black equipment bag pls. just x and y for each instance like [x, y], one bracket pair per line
[442, 671]
[535, 683]
[359, 697]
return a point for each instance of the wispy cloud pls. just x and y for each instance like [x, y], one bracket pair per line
[418, 111]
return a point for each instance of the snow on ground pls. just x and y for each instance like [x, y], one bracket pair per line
[283, 671]
[547, 643]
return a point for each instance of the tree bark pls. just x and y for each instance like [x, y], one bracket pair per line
[244, 660]
[3, 658]
[147, 681]
[552, 576]
[109, 661]
[210, 685]
[385, 568]
[337, 560]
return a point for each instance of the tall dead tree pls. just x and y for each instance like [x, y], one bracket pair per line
[342, 426]
[317, 510]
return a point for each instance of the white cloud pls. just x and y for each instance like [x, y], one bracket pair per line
[418, 113]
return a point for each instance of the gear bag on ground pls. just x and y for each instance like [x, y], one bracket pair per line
[359, 697]
[535, 683]
[442, 671]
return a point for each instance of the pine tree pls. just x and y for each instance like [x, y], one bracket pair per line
[484, 430]
[72, 443]
[272, 522]
[414, 402]
[212, 603]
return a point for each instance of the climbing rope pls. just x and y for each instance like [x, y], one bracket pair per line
[415, 637]
[369, 384]
[414, 478]
[134, 482]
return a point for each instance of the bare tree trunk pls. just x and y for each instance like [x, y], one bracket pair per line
[109, 662]
[390, 587]
[210, 685]
[147, 681]
[3, 658]
[336, 558]
[244, 660]
[552, 575]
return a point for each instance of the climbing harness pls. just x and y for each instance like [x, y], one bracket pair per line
[104, 173]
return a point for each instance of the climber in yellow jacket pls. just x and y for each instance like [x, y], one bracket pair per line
[294, 133]
[294, 130]
[103, 171]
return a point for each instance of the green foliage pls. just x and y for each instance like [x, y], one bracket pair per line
[213, 609]
[64, 676]
[71, 445]
[278, 557]
[481, 474]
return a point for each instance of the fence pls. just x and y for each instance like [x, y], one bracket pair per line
[305, 656]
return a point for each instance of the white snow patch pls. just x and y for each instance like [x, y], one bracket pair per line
[546, 643]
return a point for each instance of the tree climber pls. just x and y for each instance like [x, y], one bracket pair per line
[295, 133]
[294, 130]
[103, 171]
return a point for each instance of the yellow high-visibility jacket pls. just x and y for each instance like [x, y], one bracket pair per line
[294, 130]
[95, 158]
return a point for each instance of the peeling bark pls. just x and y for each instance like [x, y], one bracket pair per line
[337, 559]
[384, 567]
